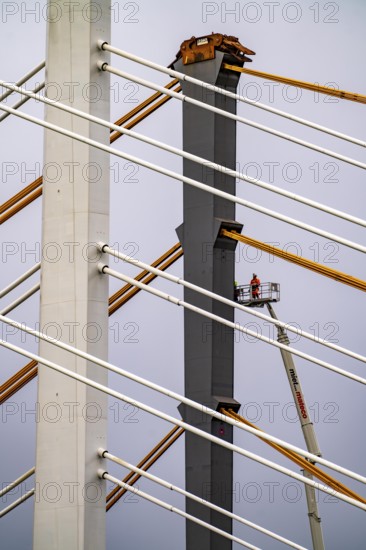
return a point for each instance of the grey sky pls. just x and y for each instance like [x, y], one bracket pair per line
[315, 41]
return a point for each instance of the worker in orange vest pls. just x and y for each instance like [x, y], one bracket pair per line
[254, 285]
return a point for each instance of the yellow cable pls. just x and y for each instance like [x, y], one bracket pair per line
[300, 461]
[299, 260]
[351, 96]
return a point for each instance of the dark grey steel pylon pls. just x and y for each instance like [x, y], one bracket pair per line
[209, 261]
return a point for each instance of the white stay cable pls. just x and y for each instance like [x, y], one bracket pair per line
[105, 67]
[17, 482]
[173, 395]
[199, 160]
[24, 78]
[184, 179]
[185, 425]
[223, 321]
[105, 454]
[21, 102]
[182, 76]
[178, 280]
[21, 299]
[16, 503]
[105, 475]
[20, 280]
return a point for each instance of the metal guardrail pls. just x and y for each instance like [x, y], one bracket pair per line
[268, 292]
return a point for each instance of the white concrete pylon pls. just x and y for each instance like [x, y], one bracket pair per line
[70, 498]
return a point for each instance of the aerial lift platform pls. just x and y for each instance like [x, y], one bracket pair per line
[268, 292]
